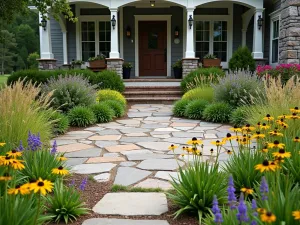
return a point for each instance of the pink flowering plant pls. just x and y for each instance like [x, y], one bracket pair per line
[285, 71]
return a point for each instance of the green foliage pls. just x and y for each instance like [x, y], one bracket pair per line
[108, 79]
[205, 93]
[127, 65]
[236, 88]
[180, 107]
[65, 205]
[60, 123]
[238, 117]
[70, 91]
[32, 60]
[196, 186]
[177, 64]
[195, 108]
[119, 109]
[81, 116]
[217, 112]
[7, 47]
[107, 94]
[242, 59]
[201, 77]
[102, 112]
[121, 188]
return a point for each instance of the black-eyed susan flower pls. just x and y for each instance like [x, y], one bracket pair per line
[60, 171]
[258, 135]
[235, 129]
[18, 189]
[265, 166]
[14, 153]
[265, 149]
[282, 117]
[229, 137]
[268, 217]
[61, 158]
[284, 125]
[17, 164]
[275, 133]
[296, 139]
[218, 143]
[211, 151]
[268, 117]
[296, 215]
[247, 191]
[41, 186]
[2, 144]
[248, 128]
[294, 116]
[265, 126]
[173, 147]
[194, 141]
[295, 110]
[276, 144]
[261, 210]
[229, 152]
[5, 177]
[282, 154]
[5, 160]
[280, 122]
[244, 141]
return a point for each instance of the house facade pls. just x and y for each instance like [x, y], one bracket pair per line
[152, 35]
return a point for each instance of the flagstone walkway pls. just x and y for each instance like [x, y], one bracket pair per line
[136, 148]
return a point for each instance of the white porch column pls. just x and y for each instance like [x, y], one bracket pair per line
[65, 47]
[45, 40]
[114, 49]
[190, 51]
[258, 36]
[244, 37]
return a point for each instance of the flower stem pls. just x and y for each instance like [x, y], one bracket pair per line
[38, 210]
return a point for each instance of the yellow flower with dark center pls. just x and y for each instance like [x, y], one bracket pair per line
[296, 215]
[280, 122]
[258, 124]
[258, 135]
[5, 177]
[2, 144]
[173, 147]
[265, 149]
[188, 149]
[282, 153]
[295, 110]
[17, 164]
[247, 191]
[194, 141]
[18, 189]
[14, 153]
[5, 160]
[276, 144]
[276, 133]
[228, 137]
[218, 143]
[268, 117]
[182, 155]
[244, 141]
[293, 116]
[261, 210]
[248, 128]
[268, 217]
[236, 129]
[265, 126]
[61, 158]
[229, 152]
[41, 186]
[265, 166]
[297, 139]
[282, 117]
[198, 152]
[60, 171]
[211, 151]
[284, 125]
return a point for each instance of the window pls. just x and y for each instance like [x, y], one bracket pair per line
[88, 40]
[275, 41]
[104, 38]
[211, 38]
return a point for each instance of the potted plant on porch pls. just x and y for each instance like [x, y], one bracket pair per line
[76, 64]
[177, 68]
[98, 61]
[211, 60]
[126, 70]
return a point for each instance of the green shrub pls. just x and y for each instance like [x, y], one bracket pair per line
[201, 77]
[242, 59]
[194, 109]
[81, 116]
[70, 91]
[238, 117]
[196, 187]
[206, 93]
[180, 107]
[32, 60]
[237, 88]
[108, 79]
[104, 95]
[217, 112]
[118, 108]
[65, 205]
[103, 112]
[60, 123]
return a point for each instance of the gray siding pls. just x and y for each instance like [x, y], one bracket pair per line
[249, 36]
[71, 39]
[56, 41]
[238, 10]
[177, 20]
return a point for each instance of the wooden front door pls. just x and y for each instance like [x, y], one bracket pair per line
[153, 48]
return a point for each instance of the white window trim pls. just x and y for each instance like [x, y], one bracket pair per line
[153, 18]
[273, 17]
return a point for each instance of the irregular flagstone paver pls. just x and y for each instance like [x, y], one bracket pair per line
[177, 124]
[134, 130]
[120, 148]
[105, 159]
[103, 144]
[127, 175]
[160, 164]
[127, 164]
[111, 155]
[138, 157]
[105, 138]
[165, 129]
[208, 124]
[63, 142]
[73, 147]
[103, 177]
[93, 168]
[154, 125]
[183, 128]
[136, 135]
[175, 140]
[138, 114]
[79, 133]
[94, 129]
[208, 136]
[93, 152]
[108, 132]
[138, 139]
[103, 221]
[85, 142]
[154, 183]
[132, 204]
[163, 114]
[75, 161]
[161, 135]
[158, 118]
[129, 122]
[165, 175]
[134, 152]
[187, 135]
[161, 146]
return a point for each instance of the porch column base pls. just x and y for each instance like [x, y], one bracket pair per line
[47, 64]
[66, 66]
[261, 62]
[189, 65]
[115, 65]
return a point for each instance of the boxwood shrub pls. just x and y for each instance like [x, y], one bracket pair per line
[81, 116]
[103, 112]
[180, 107]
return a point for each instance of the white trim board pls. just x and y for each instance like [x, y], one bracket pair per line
[138, 18]
[273, 17]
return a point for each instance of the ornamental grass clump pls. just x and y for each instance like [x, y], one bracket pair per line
[238, 116]
[195, 109]
[103, 112]
[218, 112]
[119, 109]
[81, 116]
[180, 107]
[60, 123]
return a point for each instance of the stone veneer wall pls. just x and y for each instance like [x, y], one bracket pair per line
[47, 64]
[189, 65]
[116, 65]
[289, 38]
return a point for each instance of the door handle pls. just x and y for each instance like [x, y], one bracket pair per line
[165, 52]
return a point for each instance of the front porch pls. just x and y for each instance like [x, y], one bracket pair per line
[152, 38]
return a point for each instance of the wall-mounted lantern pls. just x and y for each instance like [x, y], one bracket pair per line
[113, 22]
[44, 23]
[152, 3]
[191, 21]
[128, 32]
[260, 21]
[176, 32]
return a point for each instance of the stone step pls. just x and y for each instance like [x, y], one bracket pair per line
[152, 88]
[153, 100]
[112, 221]
[147, 93]
[152, 80]
[152, 84]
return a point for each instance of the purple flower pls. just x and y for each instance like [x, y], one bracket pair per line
[34, 141]
[218, 218]
[231, 193]
[216, 211]
[253, 222]
[72, 183]
[83, 184]
[54, 148]
[242, 215]
[21, 147]
[254, 207]
[264, 189]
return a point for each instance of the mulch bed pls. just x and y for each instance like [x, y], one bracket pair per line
[95, 191]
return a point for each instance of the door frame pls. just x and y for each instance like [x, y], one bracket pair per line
[153, 18]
